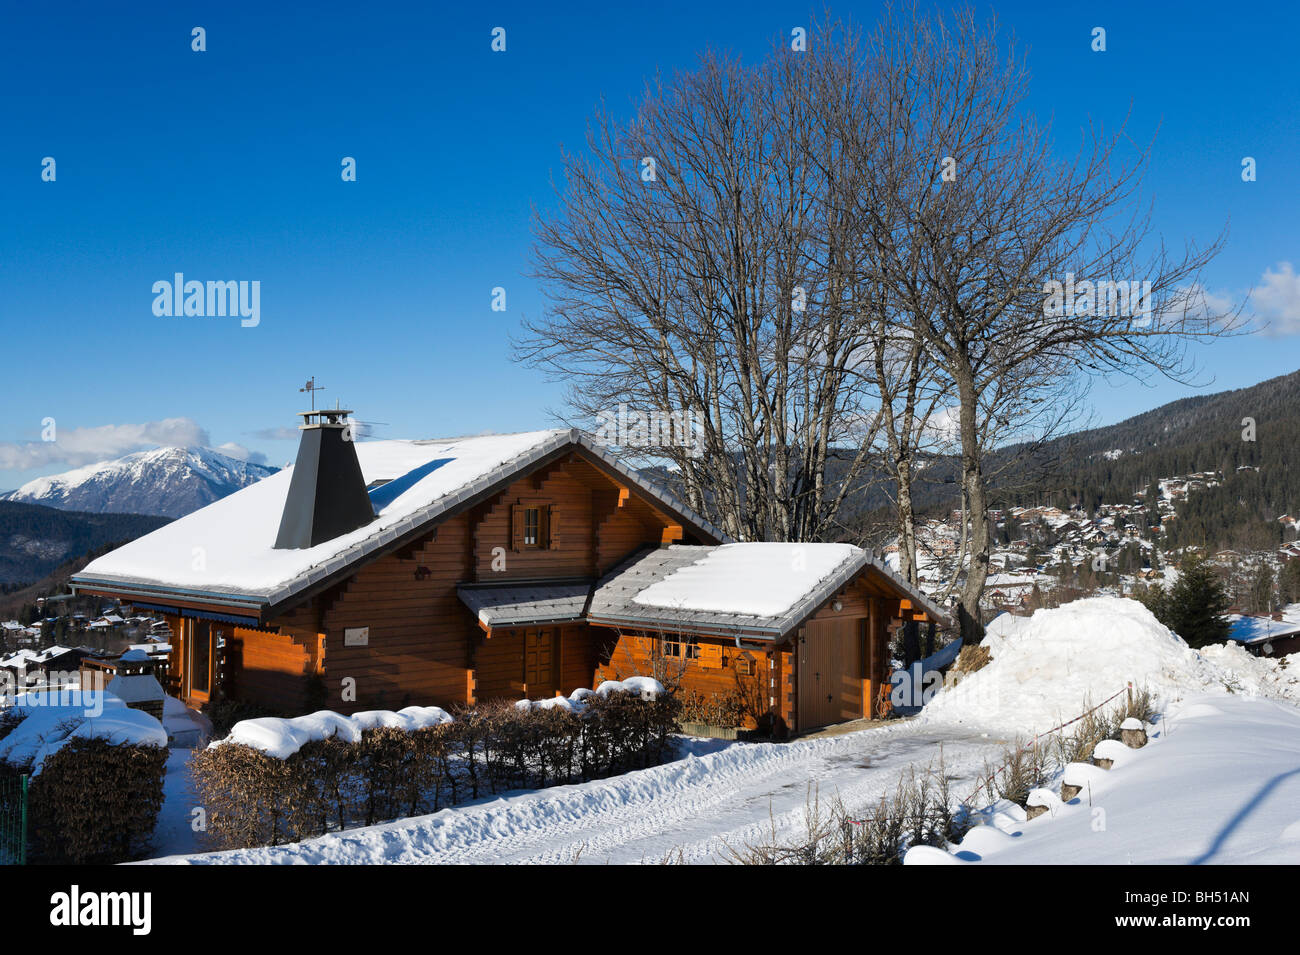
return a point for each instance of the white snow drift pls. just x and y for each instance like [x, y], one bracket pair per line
[1051, 666]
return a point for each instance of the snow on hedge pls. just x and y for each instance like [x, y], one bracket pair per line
[1050, 667]
[281, 738]
[53, 718]
[644, 687]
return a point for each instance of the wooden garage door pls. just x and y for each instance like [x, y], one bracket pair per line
[830, 672]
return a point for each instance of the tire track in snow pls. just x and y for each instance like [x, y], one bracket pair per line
[694, 804]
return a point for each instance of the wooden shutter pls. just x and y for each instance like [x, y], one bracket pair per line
[710, 655]
[550, 518]
[516, 527]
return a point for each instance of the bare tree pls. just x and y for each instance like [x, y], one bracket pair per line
[971, 217]
[699, 261]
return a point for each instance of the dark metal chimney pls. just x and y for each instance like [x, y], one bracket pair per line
[327, 494]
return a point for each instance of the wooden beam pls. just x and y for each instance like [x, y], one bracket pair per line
[671, 534]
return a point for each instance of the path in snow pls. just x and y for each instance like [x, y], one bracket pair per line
[697, 805]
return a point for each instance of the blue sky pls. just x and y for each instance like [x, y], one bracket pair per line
[225, 165]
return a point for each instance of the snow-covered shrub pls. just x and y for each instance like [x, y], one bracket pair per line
[280, 780]
[96, 772]
[95, 801]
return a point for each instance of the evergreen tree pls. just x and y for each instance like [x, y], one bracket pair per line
[1195, 605]
[1288, 581]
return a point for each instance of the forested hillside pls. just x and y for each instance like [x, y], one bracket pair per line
[1114, 463]
[34, 539]
[1251, 436]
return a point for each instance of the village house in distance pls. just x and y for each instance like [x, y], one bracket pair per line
[390, 573]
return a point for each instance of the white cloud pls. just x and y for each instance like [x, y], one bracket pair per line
[944, 425]
[240, 453]
[75, 447]
[279, 433]
[1276, 300]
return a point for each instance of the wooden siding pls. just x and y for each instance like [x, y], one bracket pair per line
[418, 651]
[714, 673]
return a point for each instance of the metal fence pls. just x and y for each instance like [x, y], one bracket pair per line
[13, 820]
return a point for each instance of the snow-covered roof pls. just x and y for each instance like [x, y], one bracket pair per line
[765, 588]
[225, 551]
[1247, 628]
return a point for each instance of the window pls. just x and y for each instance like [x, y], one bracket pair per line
[681, 648]
[531, 526]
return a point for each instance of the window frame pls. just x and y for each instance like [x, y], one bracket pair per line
[683, 648]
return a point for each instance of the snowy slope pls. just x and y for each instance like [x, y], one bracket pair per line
[168, 482]
[1218, 783]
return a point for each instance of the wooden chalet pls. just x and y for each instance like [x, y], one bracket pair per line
[376, 575]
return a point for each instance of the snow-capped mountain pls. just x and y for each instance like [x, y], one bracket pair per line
[169, 482]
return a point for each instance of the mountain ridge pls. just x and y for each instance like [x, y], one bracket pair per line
[164, 482]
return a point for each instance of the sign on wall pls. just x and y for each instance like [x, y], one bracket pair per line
[356, 637]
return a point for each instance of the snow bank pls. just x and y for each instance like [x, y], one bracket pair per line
[1213, 788]
[1051, 666]
[50, 722]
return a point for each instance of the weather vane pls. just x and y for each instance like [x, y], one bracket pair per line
[311, 388]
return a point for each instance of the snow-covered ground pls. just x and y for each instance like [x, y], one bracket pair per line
[719, 795]
[1219, 782]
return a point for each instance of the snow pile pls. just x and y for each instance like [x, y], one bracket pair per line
[1050, 667]
[51, 719]
[186, 728]
[282, 738]
[1276, 677]
[755, 579]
